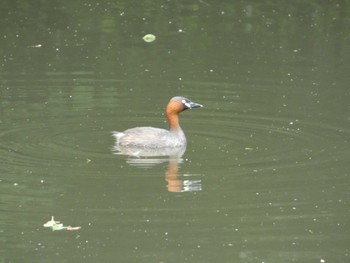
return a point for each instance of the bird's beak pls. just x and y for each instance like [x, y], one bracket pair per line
[192, 105]
[195, 105]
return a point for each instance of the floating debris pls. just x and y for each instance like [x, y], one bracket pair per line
[37, 45]
[72, 228]
[51, 223]
[149, 38]
[57, 225]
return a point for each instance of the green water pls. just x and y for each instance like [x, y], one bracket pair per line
[265, 176]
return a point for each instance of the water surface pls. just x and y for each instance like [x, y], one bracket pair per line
[265, 176]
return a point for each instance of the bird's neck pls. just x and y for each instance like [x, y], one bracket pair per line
[173, 120]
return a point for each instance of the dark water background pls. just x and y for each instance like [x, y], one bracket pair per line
[265, 177]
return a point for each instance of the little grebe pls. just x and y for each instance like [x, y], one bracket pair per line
[149, 137]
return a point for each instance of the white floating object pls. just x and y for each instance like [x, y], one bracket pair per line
[51, 223]
[149, 38]
[57, 225]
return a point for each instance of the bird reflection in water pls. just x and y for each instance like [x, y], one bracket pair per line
[146, 158]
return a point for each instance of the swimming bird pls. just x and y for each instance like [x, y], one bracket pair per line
[156, 138]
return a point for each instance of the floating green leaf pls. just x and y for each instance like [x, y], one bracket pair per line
[58, 227]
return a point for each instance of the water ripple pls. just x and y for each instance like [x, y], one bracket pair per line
[262, 142]
[45, 146]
